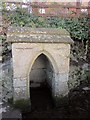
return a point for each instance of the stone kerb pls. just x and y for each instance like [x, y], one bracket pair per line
[27, 45]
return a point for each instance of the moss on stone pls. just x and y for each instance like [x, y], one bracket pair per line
[60, 101]
[22, 104]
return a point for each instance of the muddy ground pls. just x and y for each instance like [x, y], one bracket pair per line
[43, 107]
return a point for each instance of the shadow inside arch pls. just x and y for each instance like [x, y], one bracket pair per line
[42, 78]
[49, 56]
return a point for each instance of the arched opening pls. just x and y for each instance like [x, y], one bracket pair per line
[41, 83]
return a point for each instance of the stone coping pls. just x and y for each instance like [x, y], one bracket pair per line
[38, 35]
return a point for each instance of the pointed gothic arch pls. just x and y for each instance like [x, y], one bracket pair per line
[49, 56]
[27, 45]
[51, 60]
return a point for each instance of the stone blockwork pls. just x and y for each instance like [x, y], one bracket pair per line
[23, 59]
[54, 44]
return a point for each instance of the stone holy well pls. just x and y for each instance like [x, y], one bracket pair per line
[39, 54]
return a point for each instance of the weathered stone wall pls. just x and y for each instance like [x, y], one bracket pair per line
[24, 56]
[78, 71]
[50, 74]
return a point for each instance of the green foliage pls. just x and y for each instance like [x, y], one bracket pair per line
[77, 27]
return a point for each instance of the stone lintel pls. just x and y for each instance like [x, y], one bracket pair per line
[38, 35]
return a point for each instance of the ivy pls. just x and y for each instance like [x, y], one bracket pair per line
[77, 27]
